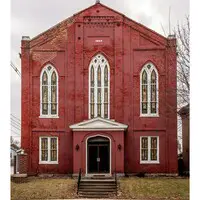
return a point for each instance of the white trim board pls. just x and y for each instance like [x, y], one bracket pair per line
[149, 161]
[100, 124]
[49, 149]
[96, 62]
[149, 71]
[49, 73]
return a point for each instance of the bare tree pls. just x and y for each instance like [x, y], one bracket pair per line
[13, 141]
[182, 33]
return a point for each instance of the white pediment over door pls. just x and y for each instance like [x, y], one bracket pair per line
[99, 123]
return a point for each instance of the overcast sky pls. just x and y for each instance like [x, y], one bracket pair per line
[31, 17]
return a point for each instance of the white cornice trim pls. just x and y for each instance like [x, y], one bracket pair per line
[98, 124]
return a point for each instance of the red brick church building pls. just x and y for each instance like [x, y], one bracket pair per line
[98, 93]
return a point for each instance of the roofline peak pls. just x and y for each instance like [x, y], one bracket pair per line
[97, 1]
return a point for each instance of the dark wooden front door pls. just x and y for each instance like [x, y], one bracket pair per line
[98, 155]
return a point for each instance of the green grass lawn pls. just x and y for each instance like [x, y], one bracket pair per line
[49, 188]
[154, 188]
[129, 188]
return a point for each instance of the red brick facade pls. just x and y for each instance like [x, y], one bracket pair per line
[22, 163]
[128, 46]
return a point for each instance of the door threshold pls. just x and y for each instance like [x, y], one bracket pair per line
[98, 175]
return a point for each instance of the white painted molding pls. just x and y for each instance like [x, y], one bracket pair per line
[149, 161]
[95, 63]
[100, 124]
[49, 151]
[49, 73]
[149, 71]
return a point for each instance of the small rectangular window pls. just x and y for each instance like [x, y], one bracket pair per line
[149, 149]
[48, 150]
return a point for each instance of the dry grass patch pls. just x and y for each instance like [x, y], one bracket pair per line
[40, 188]
[154, 188]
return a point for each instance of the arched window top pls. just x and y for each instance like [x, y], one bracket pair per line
[44, 78]
[149, 68]
[53, 78]
[49, 92]
[99, 59]
[144, 77]
[99, 87]
[49, 69]
[153, 76]
[149, 91]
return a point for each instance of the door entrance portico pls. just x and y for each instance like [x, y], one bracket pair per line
[98, 153]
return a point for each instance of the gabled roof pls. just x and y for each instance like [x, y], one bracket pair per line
[99, 123]
[64, 23]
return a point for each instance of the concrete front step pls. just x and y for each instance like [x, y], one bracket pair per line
[97, 184]
[97, 188]
[94, 196]
[97, 180]
[97, 192]
[98, 177]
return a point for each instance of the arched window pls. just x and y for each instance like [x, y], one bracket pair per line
[49, 92]
[149, 91]
[99, 87]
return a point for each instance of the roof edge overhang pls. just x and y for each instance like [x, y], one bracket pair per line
[99, 124]
[71, 18]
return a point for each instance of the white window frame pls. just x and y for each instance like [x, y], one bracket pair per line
[149, 161]
[49, 73]
[149, 71]
[99, 57]
[49, 150]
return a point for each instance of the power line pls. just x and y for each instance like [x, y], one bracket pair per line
[15, 127]
[15, 117]
[14, 120]
[15, 124]
[15, 68]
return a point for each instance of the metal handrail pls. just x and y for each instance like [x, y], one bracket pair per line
[116, 181]
[79, 180]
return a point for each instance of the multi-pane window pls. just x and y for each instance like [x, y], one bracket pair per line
[99, 87]
[149, 149]
[49, 150]
[149, 91]
[49, 92]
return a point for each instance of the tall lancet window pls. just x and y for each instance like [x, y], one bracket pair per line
[99, 87]
[49, 92]
[149, 91]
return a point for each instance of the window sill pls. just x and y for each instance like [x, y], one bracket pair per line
[148, 115]
[48, 163]
[48, 116]
[149, 162]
